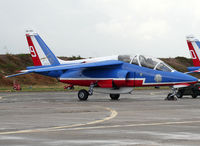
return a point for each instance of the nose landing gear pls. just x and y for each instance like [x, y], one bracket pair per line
[172, 95]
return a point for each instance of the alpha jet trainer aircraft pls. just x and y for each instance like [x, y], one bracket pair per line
[113, 75]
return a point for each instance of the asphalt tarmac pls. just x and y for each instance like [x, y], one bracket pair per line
[60, 119]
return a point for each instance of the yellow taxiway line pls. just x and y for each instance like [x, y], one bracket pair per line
[111, 116]
[134, 125]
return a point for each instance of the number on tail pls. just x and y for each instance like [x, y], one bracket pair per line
[32, 50]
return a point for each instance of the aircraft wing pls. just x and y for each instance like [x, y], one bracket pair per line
[71, 66]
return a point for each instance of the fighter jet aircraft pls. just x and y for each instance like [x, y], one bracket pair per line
[113, 75]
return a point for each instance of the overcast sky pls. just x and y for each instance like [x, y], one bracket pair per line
[92, 28]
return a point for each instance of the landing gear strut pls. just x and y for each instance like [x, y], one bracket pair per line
[90, 91]
[172, 96]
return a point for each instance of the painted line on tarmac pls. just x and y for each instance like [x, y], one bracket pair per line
[133, 125]
[113, 114]
[155, 93]
[13, 95]
[1, 97]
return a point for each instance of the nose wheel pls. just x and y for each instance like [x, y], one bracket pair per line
[172, 96]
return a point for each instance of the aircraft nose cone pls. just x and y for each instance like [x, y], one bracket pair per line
[186, 78]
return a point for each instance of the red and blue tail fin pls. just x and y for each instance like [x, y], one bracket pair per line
[194, 47]
[40, 52]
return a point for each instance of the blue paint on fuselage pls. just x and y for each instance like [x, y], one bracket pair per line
[124, 70]
[149, 74]
[134, 71]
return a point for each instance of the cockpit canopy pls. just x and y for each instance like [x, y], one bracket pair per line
[144, 61]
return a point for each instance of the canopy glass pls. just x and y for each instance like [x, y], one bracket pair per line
[145, 61]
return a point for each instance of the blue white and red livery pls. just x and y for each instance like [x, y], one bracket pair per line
[112, 75]
[194, 48]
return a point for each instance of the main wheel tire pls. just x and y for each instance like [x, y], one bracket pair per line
[194, 95]
[114, 96]
[83, 95]
[179, 94]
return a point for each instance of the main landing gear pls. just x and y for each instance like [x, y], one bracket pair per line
[114, 96]
[173, 95]
[83, 94]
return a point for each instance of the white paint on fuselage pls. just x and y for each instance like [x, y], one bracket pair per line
[90, 60]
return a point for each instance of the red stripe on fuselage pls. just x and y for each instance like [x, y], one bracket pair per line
[119, 83]
[34, 54]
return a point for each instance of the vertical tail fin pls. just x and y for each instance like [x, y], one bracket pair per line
[40, 52]
[194, 47]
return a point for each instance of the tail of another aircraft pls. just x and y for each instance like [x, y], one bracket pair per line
[40, 52]
[194, 47]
